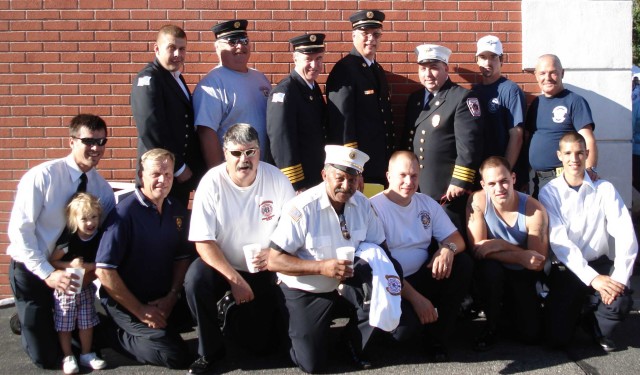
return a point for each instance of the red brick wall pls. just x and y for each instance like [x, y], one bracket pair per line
[63, 57]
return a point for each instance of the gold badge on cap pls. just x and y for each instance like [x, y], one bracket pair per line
[236, 24]
[312, 38]
[352, 155]
[435, 121]
[369, 15]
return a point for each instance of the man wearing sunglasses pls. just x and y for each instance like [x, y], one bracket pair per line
[297, 115]
[237, 203]
[162, 109]
[37, 220]
[230, 93]
[315, 223]
[360, 114]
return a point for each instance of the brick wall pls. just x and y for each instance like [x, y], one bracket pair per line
[63, 57]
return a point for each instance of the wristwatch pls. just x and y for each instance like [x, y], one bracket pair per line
[452, 246]
[592, 169]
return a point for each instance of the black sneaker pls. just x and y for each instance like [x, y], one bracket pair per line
[607, 345]
[201, 366]
[358, 359]
[14, 323]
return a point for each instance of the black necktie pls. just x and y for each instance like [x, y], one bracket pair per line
[83, 184]
[426, 102]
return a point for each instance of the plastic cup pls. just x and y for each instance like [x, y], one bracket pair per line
[250, 252]
[346, 253]
[80, 273]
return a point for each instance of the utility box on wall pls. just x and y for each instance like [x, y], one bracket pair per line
[593, 40]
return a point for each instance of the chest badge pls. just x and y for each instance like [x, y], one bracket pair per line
[435, 121]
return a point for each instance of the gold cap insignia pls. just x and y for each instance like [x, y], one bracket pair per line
[352, 155]
[312, 38]
[236, 24]
[369, 15]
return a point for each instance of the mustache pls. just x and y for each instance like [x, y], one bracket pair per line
[245, 164]
[344, 191]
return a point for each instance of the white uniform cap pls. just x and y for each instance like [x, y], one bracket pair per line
[347, 159]
[491, 44]
[431, 53]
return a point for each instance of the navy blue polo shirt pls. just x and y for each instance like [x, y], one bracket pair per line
[142, 245]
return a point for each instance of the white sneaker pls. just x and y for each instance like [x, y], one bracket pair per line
[69, 365]
[91, 360]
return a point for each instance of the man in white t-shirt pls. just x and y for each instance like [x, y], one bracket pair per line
[237, 203]
[230, 93]
[436, 280]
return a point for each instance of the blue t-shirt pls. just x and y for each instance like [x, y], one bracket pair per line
[142, 245]
[551, 118]
[503, 107]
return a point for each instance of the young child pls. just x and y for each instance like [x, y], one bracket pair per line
[77, 248]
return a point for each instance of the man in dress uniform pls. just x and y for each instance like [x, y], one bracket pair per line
[162, 110]
[230, 93]
[444, 129]
[296, 115]
[358, 98]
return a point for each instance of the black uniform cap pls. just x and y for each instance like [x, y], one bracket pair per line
[308, 43]
[229, 29]
[366, 19]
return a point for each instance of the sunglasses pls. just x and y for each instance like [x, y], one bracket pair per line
[247, 153]
[235, 41]
[92, 141]
[343, 227]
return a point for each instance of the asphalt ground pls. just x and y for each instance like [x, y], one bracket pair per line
[507, 357]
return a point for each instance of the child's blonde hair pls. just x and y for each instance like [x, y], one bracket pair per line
[83, 203]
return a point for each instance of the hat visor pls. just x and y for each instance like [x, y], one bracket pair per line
[309, 51]
[429, 61]
[232, 34]
[344, 168]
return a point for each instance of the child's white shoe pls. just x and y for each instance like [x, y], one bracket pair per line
[91, 360]
[69, 365]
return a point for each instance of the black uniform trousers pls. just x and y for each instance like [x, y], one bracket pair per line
[311, 314]
[446, 295]
[254, 325]
[513, 292]
[34, 302]
[569, 296]
[133, 338]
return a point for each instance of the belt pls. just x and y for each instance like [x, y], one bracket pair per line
[550, 173]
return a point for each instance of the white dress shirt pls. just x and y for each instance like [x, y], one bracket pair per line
[582, 223]
[38, 214]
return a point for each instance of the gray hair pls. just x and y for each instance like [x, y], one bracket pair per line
[241, 134]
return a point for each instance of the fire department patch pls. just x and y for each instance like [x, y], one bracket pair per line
[425, 219]
[474, 106]
[266, 210]
[179, 223]
[394, 286]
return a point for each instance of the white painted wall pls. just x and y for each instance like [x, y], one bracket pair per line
[592, 38]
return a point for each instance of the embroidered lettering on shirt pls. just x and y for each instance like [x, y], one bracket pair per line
[144, 81]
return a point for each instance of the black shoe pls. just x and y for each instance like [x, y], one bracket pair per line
[201, 366]
[439, 353]
[358, 360]
[607, 345]
[486, 340]
[14, 323]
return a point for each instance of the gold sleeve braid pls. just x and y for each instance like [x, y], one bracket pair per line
[464, 174]
[294, 173]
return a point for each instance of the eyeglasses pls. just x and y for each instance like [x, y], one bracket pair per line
[375, 34]
[247, 153]
[343, 227]
[234, 42]
[92, 141]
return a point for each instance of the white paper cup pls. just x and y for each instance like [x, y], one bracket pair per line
[346, 253]
[80, 273]
[250, 252]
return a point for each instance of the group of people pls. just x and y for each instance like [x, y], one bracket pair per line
[281, 170]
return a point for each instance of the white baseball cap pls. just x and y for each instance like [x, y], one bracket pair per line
[491, 44]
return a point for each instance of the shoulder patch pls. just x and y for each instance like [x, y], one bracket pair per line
[278, 97]
[144, 81]
[474, 106]
[295, 214]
